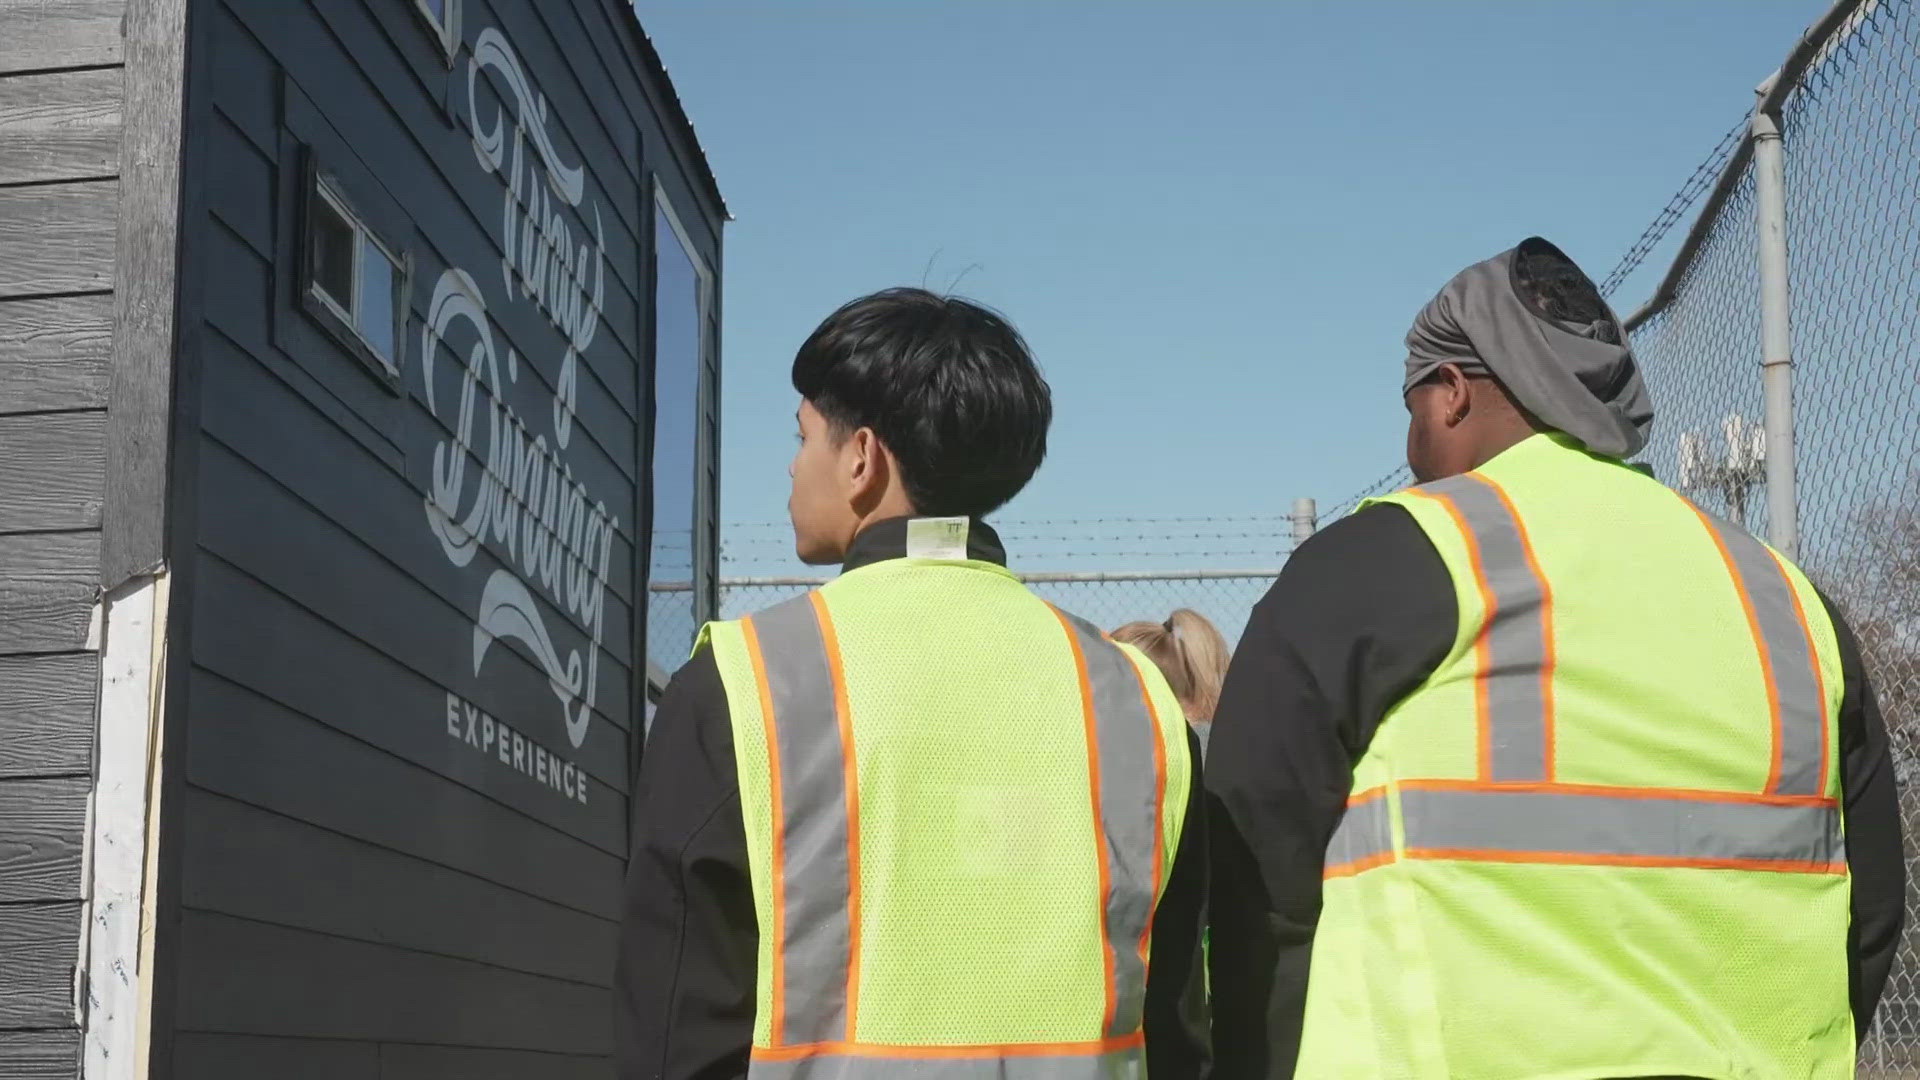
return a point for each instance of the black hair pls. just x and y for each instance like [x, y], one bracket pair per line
[1554, 287]
[947, 385]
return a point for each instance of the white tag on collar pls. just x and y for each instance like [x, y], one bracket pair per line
[937, 538]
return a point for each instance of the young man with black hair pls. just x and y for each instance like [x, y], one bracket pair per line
[917, 818]
[1536, 770]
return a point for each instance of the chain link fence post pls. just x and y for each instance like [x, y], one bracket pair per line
[1776, 336]
[1827, 171]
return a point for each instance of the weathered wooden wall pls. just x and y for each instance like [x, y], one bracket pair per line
[60, 109]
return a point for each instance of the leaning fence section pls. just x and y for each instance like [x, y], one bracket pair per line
[1847, 109]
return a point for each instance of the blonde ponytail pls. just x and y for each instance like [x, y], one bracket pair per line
[1190, 651]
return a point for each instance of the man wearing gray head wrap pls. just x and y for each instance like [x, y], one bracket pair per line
[1535, 770]
[1529, 319]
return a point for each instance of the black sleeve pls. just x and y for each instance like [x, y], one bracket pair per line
[1361, 614]
[689, 941]
[1874, 850]
[1176, 1009]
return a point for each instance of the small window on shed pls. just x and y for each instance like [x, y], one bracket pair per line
[443, 17]
[354, 282]
[334, 240]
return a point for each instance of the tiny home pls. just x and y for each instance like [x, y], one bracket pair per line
[359, 366]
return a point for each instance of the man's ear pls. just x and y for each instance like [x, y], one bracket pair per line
[866, 465]
[1457, 393]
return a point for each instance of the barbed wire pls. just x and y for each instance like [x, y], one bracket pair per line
[1118, 536]
[1081, 536]
[1696, 185]
[1272, 554]
[1003, 525]
[1401, 476]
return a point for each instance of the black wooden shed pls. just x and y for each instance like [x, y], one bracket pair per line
[358, 371]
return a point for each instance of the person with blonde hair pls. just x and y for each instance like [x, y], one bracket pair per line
[1190, 651]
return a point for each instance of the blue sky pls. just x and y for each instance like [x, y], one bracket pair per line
[1213, 221]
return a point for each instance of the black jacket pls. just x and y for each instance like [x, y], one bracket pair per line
[685, 985]
[1361, 615]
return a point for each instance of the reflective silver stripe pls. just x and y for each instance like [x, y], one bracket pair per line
[1128, 1064]
[1801, 721]
[1128, 742]
[817, 953]
[1659, 827]
[1485, 823]
[1365, 833]
[1517, 633]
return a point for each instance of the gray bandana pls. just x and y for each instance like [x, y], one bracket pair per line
[1566, 374]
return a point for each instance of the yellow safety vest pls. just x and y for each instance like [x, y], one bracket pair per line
[1603, 839]
[961, 806]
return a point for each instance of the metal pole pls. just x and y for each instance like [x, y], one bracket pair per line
[1306, 519]
[1832, 30]
[1776, 335]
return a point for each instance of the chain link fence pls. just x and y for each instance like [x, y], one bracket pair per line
[1105, 598]
[1108, 570]
[1158, 566]
[1847, 106]
[1219, 566]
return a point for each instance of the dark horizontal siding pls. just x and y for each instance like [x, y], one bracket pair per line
[259, 752]
[448, 916]
[412, 1062]
[605, 30]
[362, 991]
[338, 57]
[203, 1056]
[251, 1057]
[387, 705]
[360, 504]
[241, 252]
[255, 864]
[609, 183]
[303, 555]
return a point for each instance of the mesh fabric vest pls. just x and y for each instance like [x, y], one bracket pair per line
[961, 806]
[1603, 838]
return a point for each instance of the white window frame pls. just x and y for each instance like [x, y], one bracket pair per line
[348, 316]
[447, 33]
